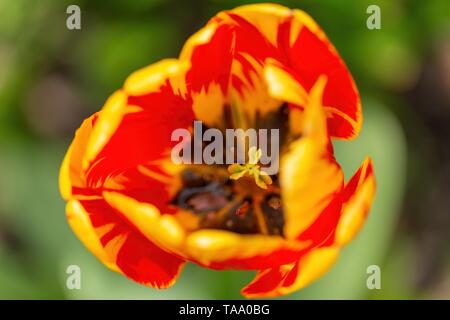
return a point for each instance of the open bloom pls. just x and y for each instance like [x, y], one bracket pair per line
[257, 66]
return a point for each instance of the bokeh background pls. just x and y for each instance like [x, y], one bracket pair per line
[52, 77]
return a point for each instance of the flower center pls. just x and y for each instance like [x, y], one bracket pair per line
[238, 205]
[237, 171]
[241, 198]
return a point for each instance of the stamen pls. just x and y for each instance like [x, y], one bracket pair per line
[274, 203]
[273, 213]
[243, 209]
[260, 216]
[223, 212]
[237, 171]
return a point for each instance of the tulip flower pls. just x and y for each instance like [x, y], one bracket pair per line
[259, 66]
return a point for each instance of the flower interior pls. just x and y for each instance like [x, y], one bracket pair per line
[240, 197]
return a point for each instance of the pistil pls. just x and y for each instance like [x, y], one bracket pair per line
[252, 169]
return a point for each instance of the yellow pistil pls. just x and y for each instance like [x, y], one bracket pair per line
[237, 171]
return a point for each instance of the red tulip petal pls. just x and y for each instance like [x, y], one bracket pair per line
[142, 136]
[220, 249]
[358, 195]
[312, 55]
[235, 44]
[137, 257]
[288, 278]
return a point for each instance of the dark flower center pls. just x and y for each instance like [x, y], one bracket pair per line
[236, 206]
[219, 202]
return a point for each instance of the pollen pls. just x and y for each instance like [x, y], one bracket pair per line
[251, 169]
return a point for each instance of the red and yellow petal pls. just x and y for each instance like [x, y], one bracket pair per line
[119, 246]
[311, 54]
[222, 75]
[122, 147]
[356, 199]
[161, 229]
[143, 134]
[154, 76]
[285, 279]
[358, 196]
[146, 263]
[310, 178]
[219, 249]
[283, 86]
[231, 53]
[71, 173]
[228, 54]
[81, 225]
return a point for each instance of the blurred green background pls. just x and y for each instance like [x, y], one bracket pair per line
[52, 77]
